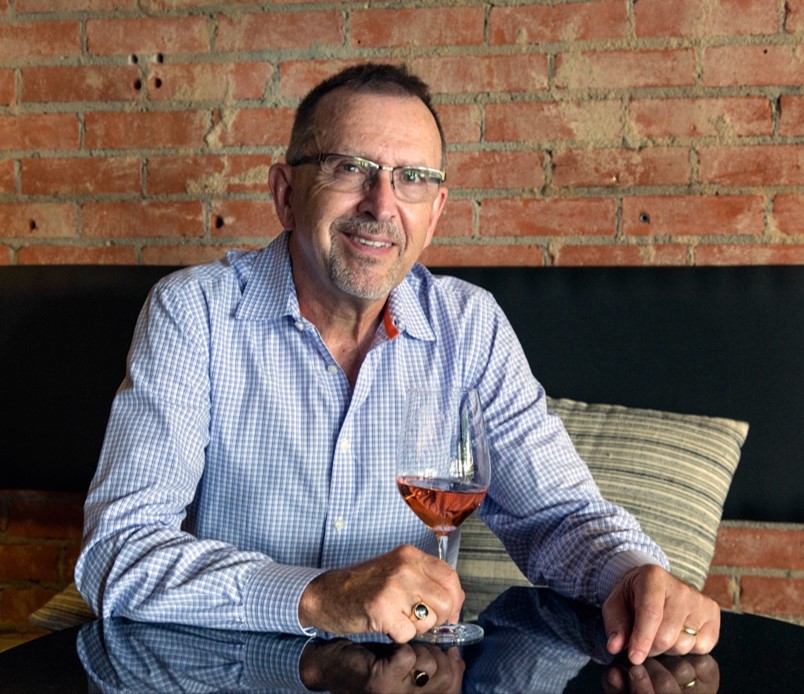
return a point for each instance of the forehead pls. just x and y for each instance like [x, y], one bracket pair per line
[392, 128]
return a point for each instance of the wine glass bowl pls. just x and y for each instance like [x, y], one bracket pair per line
[443, 474]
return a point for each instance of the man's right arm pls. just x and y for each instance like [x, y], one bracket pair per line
[136, 560]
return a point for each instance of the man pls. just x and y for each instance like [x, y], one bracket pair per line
[247, 477]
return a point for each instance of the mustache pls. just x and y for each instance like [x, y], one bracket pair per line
[367, 227]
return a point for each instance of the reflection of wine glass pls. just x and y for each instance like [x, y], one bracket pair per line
[443, 472]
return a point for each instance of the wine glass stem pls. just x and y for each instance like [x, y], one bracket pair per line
[443, 542]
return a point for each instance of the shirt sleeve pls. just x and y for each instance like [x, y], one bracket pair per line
[136, 560]
[543, 502]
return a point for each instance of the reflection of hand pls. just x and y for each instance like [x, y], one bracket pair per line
[378, 595]
[691, 674]
[343, 666]
[651, 612]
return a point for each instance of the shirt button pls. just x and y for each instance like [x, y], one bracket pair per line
[345, 445]
[332, 368]
[340, 524]
[299, 325]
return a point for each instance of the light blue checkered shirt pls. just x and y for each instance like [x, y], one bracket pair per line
[238, 464]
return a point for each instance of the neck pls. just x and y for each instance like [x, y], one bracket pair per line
[346, 327]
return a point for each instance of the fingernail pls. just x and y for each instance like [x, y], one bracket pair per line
[638, 673]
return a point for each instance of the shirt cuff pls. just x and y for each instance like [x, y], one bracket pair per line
[273, 661]
[272, 595]
[619, 565]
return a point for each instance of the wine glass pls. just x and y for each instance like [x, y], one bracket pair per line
[443, 473]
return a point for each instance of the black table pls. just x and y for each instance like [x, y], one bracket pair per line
[536, 641]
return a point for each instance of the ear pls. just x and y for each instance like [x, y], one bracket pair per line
[280, 181]
[435, 213]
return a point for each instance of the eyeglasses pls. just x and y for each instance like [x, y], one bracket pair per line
[349, 174]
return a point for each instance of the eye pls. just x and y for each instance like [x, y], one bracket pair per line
[413, 176]
[349, 167]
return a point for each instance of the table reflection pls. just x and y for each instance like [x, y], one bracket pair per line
[536, 641]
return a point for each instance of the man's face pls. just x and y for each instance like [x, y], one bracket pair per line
[361, 243]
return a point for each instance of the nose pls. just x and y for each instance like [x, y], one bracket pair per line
[379, 199]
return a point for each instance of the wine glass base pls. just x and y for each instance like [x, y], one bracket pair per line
[452, 635]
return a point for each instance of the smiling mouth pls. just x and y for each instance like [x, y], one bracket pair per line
[371, 243]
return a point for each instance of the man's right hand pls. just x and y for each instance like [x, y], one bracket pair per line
[378, 596]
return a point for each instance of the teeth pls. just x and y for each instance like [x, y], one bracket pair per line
[372, 244]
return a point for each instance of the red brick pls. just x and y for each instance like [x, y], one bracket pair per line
[553, 217]
[38, 220]
[461, 122]
[209, 81]
[496, 255]
[147, 35]
[618, 255]
[772, 596]
[702, 117]
[53, 519]
[488, 73]
[496, 169]
[759, 547]
[718, 588]
[278, 30]
[77, 255]
[8, 87]
[536, 24]
[742, 66]
[704, 18]
[45, 39]
[17, 603]
[5, 255]
[146, 130]
[142, 219]
[29, 562]
[763, 165]
[759, 254]
[694, 215]
[788, 214]
[297, 77]
[252, 127]
[208, 175]
[619, 167]
[39, 131]
[46, 6]
[625, 69]
[794, 16]
[186, 255]
[244, 218]
[457, 219]
[80, 175]
[591, 121]
[791, 116]
[85, 83]
[7, 175]
[421, 26]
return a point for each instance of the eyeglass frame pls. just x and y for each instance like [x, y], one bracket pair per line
[437, 174]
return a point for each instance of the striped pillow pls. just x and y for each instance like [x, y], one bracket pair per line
[671, 471]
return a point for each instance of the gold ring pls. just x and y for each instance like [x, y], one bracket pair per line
[689, 684]
[421, 611]
[690, 631]
[419, 677]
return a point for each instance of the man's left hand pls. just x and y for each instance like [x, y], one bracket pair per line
[651, 612]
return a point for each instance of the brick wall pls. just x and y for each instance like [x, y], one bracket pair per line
[603, 132]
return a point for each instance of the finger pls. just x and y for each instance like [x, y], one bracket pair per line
[639, 681]
[616, 621]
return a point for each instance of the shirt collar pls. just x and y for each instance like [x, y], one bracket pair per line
[266, 280]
